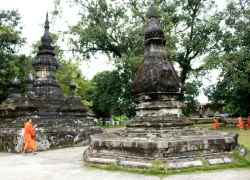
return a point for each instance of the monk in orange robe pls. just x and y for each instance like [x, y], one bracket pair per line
[248, 122]
[216, 124]
[29, 137]
[240, 123]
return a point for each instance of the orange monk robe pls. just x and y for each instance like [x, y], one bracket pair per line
[248, 122]
[240, 123]
[29, 138]
[216, 124]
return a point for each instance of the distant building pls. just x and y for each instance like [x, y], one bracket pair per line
[208, 109]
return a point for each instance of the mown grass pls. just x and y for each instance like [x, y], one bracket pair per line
[113, 127]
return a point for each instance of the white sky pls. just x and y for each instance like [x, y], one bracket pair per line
[33, 14]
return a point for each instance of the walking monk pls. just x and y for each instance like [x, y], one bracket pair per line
[216, 124]
[240, 123]
[248, 122]
[29, 137]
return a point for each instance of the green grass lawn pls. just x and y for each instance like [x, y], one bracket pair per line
[113, 127]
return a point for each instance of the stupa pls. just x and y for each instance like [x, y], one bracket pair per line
[61, 121]
[159, 131]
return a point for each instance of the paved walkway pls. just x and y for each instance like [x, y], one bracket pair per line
[67, 164]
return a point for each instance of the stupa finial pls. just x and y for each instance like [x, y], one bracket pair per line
[46, 47]
[47, 21]
[153, 30]
[152, 13]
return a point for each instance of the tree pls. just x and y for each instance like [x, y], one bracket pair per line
[103, 93]
[69, 71]
[109, 96]
[233, 86]
[191, 29]
[12, 64]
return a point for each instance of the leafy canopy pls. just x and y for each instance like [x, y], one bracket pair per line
[233, 86]
[12, 63]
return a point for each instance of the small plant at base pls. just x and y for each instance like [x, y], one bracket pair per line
[157, 164]
[203, 160]
[238, 157]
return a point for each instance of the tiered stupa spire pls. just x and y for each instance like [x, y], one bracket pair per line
[45, 65]
[46, 39]
[156, 74]
[157, 89]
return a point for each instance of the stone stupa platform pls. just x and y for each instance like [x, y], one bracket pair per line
[160, 132]
[176, 148]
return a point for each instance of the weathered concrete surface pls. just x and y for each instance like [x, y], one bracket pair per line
[67, 164]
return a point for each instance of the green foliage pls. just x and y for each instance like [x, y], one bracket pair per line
[87, 103]
[121, 118]
[12, 64]
[106, 27]
[109, 96]
[101, 95]
[104, 96]
[69, 71]
[189, 108]
[233, 87]
[112, 89]
[208, 111]
[191, 92]
[157, 164]
[203, 160]
[238, 157]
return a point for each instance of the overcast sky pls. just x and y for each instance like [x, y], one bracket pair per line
[33, 14]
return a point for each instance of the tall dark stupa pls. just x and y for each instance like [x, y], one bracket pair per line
[45, 65]
[61, 121]
[157, 89]
[159, 130]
